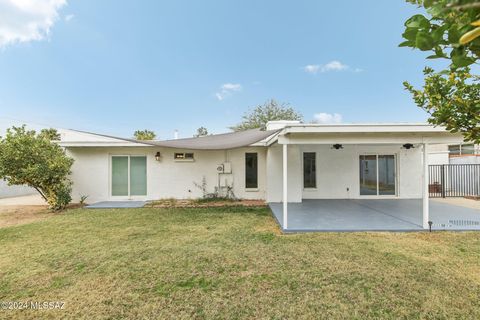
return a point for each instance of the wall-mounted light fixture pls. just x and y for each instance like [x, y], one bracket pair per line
[408, 146]
[158, 156]
[337, 146]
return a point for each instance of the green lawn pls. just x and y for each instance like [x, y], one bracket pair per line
[232, 263]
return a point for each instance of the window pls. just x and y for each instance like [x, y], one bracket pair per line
[377, 175]
[129, 176]
[251, 170]
[461, 149]
[179, 156]
[454, 150]
[309, 170]
[468, 149]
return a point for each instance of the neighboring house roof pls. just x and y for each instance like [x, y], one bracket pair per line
[223, 141]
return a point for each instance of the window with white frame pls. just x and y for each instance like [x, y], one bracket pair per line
[309, 170]
[462, 149]
[251, 170]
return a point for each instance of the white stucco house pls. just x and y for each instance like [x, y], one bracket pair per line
[287, 163]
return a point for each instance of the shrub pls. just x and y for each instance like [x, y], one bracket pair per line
[28, 158]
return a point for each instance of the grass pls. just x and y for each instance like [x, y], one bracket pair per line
[232, 263]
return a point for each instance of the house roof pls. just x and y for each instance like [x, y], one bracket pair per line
[296, 133]
[223, 141]
[218, 141]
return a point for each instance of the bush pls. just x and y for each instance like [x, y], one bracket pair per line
[28, 158]
[60, 197]
[219, 193]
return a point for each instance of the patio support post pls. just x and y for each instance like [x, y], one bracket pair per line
[425, 205]
[285, 187]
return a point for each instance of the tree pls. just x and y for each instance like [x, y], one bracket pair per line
[269, 111]
[201, 132]
[28, 158]
[144, 135]
[459, 109]
[50, 134]
[451, 30]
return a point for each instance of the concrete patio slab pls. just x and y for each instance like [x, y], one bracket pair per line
[116, 204]
[373, 215]
[462, 202]
[29, 200]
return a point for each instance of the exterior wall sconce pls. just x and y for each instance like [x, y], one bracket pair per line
[337, 146]
[408, 146]
[158, 156]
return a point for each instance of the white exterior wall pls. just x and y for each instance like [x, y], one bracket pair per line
[167, 178]
[275, 178]
[338, 172]
[438, 154]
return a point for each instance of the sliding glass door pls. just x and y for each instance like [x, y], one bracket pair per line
[129, 176]
[377, 175]
[368, 175]
[386, 175]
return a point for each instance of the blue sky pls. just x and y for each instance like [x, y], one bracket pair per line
[113, 67]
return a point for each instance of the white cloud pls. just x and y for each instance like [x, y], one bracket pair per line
[232, 87]
[323, 117]
[69, 17]
[227, 89]
[333, 65]
[312, 68]
[27, 20]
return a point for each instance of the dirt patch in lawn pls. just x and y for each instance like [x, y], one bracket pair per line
[16, 214]
[21, 214]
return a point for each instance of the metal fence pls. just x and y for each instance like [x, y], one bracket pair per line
[454, 180]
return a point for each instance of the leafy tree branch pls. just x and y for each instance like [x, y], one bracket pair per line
[144, 135]
[450, 30]
[269, 111]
